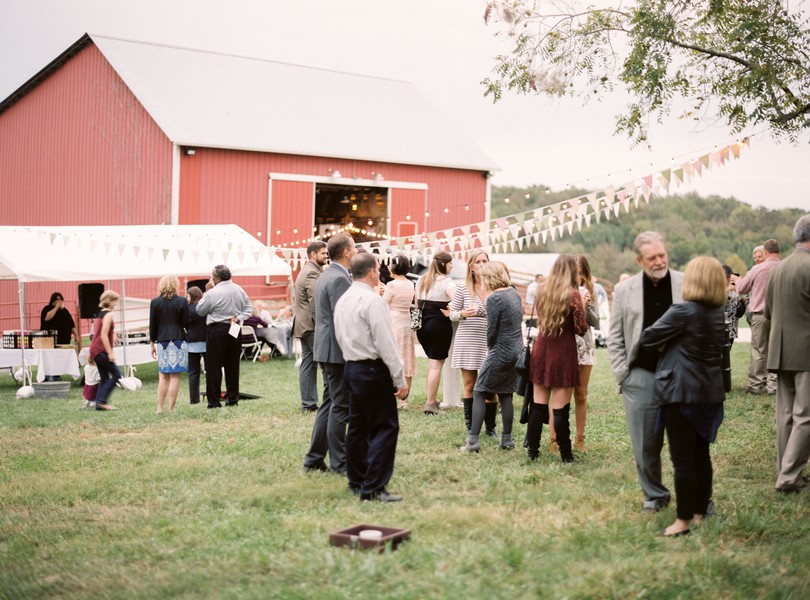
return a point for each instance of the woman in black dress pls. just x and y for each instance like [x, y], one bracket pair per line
[433, 293]
[497, 376]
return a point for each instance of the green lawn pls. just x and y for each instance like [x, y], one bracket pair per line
[214, 504]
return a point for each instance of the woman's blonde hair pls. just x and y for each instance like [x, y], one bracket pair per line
[438, 266]
[470, 280]
[495, 275]
[586, 278]
[167, 287]
[705, 281]
[554, 295]
[107, 298]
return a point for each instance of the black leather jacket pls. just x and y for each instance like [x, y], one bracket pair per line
[689, 370]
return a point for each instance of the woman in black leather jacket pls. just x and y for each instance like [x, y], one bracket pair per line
[689, 384]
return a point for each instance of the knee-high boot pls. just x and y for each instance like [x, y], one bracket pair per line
[468, 404]
[563, 430]
[538, 414]
[490, 414]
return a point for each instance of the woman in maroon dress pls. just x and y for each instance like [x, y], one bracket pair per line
[554, 368]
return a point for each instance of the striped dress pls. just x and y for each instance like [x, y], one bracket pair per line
[470, 343]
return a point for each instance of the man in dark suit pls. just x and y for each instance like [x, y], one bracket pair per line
[638, 303]
[304, 324]
[787, 306]
[329, 430]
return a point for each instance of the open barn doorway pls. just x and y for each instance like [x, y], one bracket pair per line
[363, 208]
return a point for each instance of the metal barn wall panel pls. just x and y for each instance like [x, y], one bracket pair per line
[291, 212]
[224, 186]
[79, 149]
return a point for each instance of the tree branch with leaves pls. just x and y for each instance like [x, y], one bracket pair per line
[746, 62]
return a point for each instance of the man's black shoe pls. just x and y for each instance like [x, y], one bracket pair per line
[380, 497]
[309, 409]
[354, 489]
[320, 466]
[217, 405]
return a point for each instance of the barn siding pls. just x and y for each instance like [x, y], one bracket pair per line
[79, 149]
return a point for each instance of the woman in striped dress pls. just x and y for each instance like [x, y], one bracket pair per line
[467, 308]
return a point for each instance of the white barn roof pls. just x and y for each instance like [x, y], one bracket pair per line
[207, 99]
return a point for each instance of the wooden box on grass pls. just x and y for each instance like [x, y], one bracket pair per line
[350, 537]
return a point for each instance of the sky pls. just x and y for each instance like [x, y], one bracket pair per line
[442, 46]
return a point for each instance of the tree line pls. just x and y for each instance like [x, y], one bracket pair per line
[724, 228]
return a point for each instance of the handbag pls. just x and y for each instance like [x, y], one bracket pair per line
[522, 366]
[416, 318]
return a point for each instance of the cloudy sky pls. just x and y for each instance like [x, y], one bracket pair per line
[444, 48]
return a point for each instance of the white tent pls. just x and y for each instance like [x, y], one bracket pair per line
[130, 252]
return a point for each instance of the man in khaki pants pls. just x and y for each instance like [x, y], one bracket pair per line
[755, 283]
[787, 306]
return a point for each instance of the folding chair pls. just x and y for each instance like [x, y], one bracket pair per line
[255, 344]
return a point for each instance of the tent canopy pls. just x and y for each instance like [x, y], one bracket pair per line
[131, 252]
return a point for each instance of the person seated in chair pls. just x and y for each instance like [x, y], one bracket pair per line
[260, 326]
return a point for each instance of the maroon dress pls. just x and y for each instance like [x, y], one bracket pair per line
[554, 362]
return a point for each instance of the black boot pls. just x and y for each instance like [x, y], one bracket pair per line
[490, 415]
[468, 403]
[538, 414]
[563, 430]
[726, 368]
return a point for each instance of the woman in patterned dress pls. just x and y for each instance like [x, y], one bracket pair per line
[554, 367]
[433, 293]
[467, 308]
[498, 376]
[399, 294]
[168, 319]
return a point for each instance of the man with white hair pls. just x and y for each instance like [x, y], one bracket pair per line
[787, 306]
[638, 303]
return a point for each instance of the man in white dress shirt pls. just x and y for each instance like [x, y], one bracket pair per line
[374, 372]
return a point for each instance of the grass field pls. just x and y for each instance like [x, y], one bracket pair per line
[214, 504]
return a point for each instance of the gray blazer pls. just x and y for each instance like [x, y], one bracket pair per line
[331, 285]
[627, 319]
[304, 305]
[787, 305]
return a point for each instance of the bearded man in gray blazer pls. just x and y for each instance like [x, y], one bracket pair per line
[332, 418]
[304, 324]
[787, 306]
[638, 303]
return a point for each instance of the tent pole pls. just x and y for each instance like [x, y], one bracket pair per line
[124, 327]
[26, 380]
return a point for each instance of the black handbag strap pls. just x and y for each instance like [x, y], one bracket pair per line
[528, 333]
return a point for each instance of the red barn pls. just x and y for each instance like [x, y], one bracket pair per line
[120, 132]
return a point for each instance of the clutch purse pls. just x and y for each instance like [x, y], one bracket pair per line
[416, 318]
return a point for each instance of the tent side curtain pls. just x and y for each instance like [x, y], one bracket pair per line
[131, 252]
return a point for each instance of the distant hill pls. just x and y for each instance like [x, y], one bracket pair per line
[693, 225]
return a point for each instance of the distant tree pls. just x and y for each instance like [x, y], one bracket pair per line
[743, 61]
[737, 264]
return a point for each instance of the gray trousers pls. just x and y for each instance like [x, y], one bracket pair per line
[308, 374]
[638, 390]
[758, 377]
[792, 428]
[331, 420]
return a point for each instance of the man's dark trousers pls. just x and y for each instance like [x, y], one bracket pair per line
[222, 350]
[371, 441]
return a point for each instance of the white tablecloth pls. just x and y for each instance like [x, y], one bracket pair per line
[137, 354]
[58, 361]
